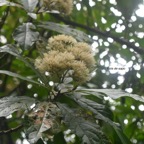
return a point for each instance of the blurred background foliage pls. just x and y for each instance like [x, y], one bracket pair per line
[116, 28]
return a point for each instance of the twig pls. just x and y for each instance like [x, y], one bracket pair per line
[11, 130]
[122, 41]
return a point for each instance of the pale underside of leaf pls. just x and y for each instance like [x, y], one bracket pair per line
[29, 5]
[8, 105]
[112, 93]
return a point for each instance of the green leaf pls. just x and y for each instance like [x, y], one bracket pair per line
[25, 35]
[98, 109]
[65, 29]
[59, 139]
[18, 76]
[8, 105]
[29, 5]
[112, 93]
[11, 49]
[89, 132]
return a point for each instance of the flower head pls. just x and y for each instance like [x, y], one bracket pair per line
[63, 6]
[60, 42]
[55, 62]
[65, 54]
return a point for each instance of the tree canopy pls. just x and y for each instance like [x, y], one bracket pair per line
[71, 71]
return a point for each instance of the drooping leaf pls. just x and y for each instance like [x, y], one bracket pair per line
[18, 76]
[25, 35]
[98, 109]
[65, 29]
[29, 5]
[114, 93]
[8, 105]
[89, 132]
[11, 49]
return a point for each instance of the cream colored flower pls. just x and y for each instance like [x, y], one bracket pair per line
[55, 62]
[81, 72]
[63, 6]
[82, 52]
[66, 54]
[60, 42]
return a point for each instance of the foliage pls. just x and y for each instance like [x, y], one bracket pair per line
[44, 106]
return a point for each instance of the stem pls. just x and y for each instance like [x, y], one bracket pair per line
[3, 19]
[11, 130]
[122, 41]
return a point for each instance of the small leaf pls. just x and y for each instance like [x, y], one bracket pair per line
[8, 105]
[18, 76]
[29, 5]
[25, 35]
[32, 15]
[65, 29]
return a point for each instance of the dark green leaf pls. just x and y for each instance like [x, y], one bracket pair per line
[59, 139]
[89, 132]
[11, 49]
[98, 109]
[65, 29]
[18, 76]
[25, 35]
